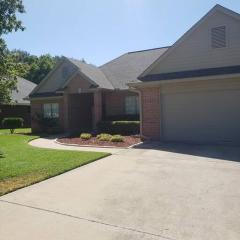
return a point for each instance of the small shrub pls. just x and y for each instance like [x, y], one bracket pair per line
[104, 137]
[122, 118]
[119, 127]
[48, 125]
[117, 138]
[85, 136]
[12, 123]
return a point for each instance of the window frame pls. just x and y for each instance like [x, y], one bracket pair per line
[51, 110]
[131, 105]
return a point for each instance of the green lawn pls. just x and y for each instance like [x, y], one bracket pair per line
[23, 165]
[19, 130]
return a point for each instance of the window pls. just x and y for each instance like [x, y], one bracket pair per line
[131, 105]
[218, 37]
[51, 110]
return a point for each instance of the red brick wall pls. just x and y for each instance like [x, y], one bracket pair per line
[150, 99]
[115, 102]
[37, 108]
[97, 108]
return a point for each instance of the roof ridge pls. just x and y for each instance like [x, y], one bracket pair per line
[150, 49]
[81, 61]
[112, 60]
[89, 65]
[25, 80]
[130, 53]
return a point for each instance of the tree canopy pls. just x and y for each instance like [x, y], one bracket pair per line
[32, 67]
[8, 23]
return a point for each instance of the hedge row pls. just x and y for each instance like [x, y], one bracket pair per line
[119, 127]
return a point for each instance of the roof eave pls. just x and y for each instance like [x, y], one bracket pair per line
[217, 7]
[176, 80]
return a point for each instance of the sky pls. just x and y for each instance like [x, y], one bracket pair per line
[100, 30]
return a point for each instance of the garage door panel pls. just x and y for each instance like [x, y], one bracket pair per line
[201, 116]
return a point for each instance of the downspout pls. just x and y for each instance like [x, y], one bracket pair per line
[140, 110]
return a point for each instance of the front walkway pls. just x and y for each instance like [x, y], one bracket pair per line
[50, 143]
[177, 193]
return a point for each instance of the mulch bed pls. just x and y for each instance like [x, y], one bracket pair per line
[128, 141]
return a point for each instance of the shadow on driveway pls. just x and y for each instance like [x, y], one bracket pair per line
[223, 152]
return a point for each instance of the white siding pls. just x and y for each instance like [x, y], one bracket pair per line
[195, 52]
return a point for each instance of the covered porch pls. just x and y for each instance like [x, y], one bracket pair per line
[84, 110]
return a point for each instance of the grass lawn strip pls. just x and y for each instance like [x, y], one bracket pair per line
[23, 165]
[18, 130]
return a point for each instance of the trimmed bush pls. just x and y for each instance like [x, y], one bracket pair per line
[104, 137]
[117, 138]
[12, 123]
[125, 117]
[119, 127]
[85, 136]
[48, 125]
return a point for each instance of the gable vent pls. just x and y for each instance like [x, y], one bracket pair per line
[218, 35]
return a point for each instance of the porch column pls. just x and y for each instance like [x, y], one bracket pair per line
[97, 108]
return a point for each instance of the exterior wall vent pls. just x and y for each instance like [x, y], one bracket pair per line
[218, 37]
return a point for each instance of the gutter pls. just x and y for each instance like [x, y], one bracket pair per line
[140, 110]
[161, 82]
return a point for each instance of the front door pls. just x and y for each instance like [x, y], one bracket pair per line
[80, 112]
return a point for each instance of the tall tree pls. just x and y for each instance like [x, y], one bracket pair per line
[8, 23]
[32, 67]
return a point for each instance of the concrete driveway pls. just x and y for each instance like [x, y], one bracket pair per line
[175, 192]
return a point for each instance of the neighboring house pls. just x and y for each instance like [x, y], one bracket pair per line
[81, 94]
[191, 93]
[20, 106]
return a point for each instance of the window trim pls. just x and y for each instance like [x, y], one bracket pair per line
[53, 113]
[135, 105]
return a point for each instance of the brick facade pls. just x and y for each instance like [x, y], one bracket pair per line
[114, 105]
[150, 119]
[37, 108]
[76, 106]
[115, 102]
[97, 108]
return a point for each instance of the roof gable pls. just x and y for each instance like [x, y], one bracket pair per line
[126, 68]
[24, 88]
[92, 74]
[159, 66]
[55, 78]
[65, 71]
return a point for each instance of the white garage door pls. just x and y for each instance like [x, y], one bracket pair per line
[205, 115]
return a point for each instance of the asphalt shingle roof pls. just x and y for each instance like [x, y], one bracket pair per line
[93, 73]
[115, 74]
[126, 68]
[24, 88]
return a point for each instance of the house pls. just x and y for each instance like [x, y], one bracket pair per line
[188, 92]
[81, 94]
[191, 93]
[20, 106]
